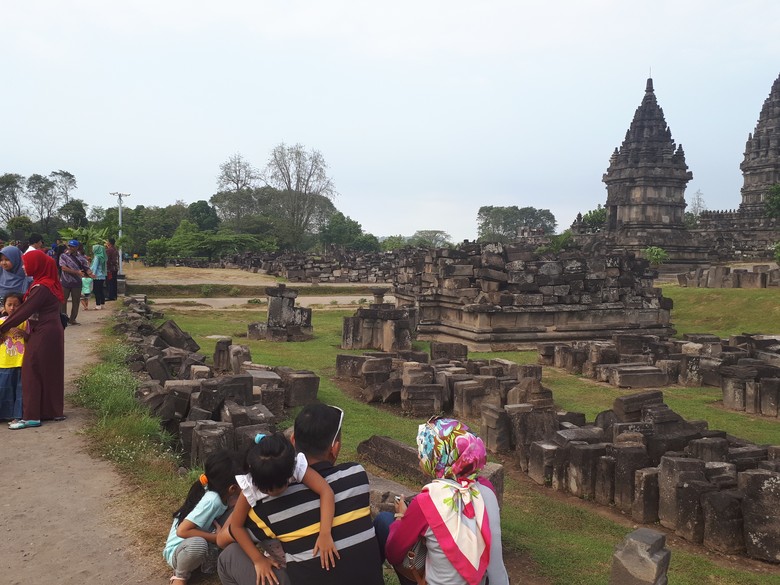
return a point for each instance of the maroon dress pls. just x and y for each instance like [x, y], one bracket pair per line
[43, 367]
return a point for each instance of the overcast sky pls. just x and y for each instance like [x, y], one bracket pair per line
[424, 111]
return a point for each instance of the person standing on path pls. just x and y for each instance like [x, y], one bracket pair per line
[12, 276]
[98, 269]
[73, 268]
[112, 267]
[43, 368]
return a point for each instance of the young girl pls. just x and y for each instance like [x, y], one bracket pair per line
[272, 465]
[194, 524]
[11, 354]
[86, 288]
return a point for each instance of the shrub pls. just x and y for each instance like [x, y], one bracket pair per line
[655, 255]
[206, 290]
[234, 291]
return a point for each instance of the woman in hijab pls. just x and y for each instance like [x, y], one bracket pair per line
[43, 368]
[12, 276]
[98, 268]
[456, 515]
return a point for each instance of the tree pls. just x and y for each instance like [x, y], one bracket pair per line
[772, 201]
[655, 255]
[501, 224]
[393, 243]
[64, 183]
[75, 213]
[430, 239]
[20, 226]
[558, 244]
[305, 190]
[12, 188]
[340, 231]
[695, 208]
[203, 215]
[233, 206]
[595, 219]
[236, 174]
[44, 198]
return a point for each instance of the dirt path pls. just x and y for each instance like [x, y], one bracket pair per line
[56, 518]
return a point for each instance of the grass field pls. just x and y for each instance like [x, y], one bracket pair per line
[565, 540]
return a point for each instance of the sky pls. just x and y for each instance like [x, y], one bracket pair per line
[424, 110]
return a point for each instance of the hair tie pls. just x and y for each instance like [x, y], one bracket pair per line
[204, 481]
[259, 437]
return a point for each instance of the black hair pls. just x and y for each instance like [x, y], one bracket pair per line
[221, 469]
[13, 295]
[35, 238]
[111, 241]
[316, 428]
[271, 462]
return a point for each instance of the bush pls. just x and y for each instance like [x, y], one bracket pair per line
[207, 290]
[234, 291]
[655, 255]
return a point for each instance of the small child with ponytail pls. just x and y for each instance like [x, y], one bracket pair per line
[194, 524]
[270, 466]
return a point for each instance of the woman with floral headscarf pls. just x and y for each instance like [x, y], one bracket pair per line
[98, 268]
[456, 514]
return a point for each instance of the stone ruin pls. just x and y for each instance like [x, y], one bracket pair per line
[355, 267]
[382, 326]
[207, 408]
[641, 559]
[641, 457]
[286, 322]
[745, 367]
[761, 276]
[503, 297]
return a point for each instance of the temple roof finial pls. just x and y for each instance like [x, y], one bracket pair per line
[649, 88]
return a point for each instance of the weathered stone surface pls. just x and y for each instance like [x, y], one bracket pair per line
[759, 512]
[629, 457]
[175, 337]
[583, 466]
[690, 514]
[496, 429]
[222, 355]
[628, 408]
[301, 387]
[673, 470]
[605, 481]
[422, 400]
[645, 506]
[540, 462]
[529, 425]
[641, 559]
[723, 525]
[209, 438]
[156, 368]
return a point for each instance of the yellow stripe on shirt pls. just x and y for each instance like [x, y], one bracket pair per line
[260, 524]
[315, 528]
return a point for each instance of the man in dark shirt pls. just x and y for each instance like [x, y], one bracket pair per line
[293, 517]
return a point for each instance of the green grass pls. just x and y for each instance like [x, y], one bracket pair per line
[724, 311]
[570, 544]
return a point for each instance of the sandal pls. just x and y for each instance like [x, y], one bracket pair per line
[24, 424]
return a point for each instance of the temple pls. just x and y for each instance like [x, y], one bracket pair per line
[761, 166]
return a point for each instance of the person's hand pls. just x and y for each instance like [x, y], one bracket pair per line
[217, 526]
[265, 573]
[400, 506]
[327, 551]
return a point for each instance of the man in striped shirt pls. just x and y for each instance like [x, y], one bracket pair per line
[293, 517]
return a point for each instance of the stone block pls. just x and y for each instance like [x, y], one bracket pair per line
[644, 509]
[413, 373]
[530, 425]
[690, 514]
[672, 471]
[200, 372]
[422, 400]
[300, 388]
[467, 396]
[637, 377]
[583, 464]
[641, 559]
[273, 399]
[628, 408]
[349, 365]
[234, 414]
[733, 393]
[709, 449]
[238, 355]
[222, 355]
[723, 525]
[769, 396]
[496, 429]
[540, 462]
[175, 337]
[449, 351]
[605, 481]
[629, 457]
[588, 435]
[209, 438]
[646, 429]
[157, 369]
[245, 436]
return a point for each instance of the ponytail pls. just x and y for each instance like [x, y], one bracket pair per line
[221, 468]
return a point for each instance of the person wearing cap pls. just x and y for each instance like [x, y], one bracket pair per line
[73, 266]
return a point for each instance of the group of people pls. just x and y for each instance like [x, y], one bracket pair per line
[35, 284]
[285, 512]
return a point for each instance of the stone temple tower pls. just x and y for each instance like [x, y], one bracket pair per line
[646, 182]
[761, 165]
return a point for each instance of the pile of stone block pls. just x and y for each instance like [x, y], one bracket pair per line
[357, 267]
[382, 326]
[450, 382]
[207, 407]
[761, 276]
[497, 296]
[286, 322]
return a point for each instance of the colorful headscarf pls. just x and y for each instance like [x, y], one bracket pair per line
[44, 272]
[14, 280]
[455, 512]
[99, 251]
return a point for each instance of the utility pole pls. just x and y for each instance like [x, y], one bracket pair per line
[119, 197]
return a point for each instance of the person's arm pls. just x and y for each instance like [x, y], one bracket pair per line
[324, 545]
[235, 525]
[405, 531]
[188, 529]
[496, 570]
[66, 268]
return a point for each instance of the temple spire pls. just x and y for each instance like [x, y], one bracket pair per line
[649, 87]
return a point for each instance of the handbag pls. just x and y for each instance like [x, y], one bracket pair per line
[413, 566]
